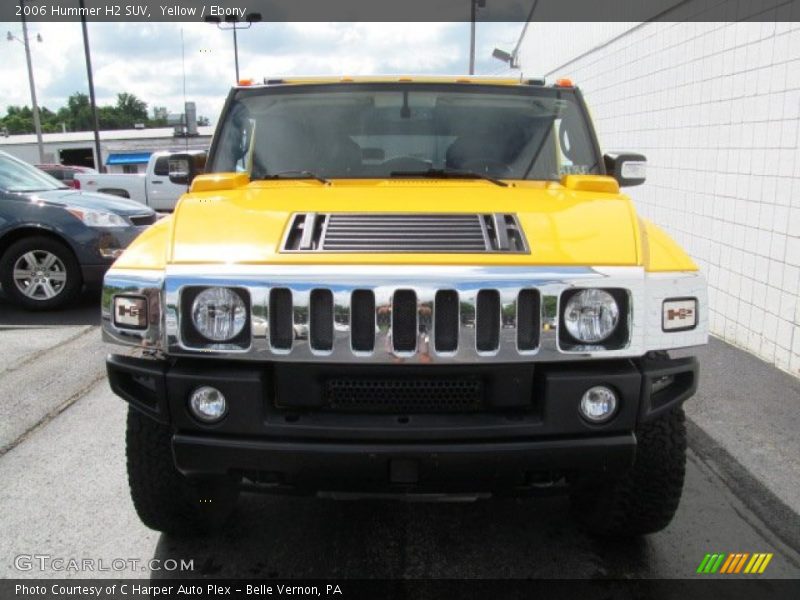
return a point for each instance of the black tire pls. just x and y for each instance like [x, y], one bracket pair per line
[645, 499]
[166, 500]
[67, 264]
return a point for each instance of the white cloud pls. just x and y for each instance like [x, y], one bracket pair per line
[145, 58]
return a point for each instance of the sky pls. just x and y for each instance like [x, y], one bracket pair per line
[145, 58]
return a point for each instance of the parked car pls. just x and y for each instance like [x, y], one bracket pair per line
[53, 239]
[152, 188]
[411, 287]
[65, 173]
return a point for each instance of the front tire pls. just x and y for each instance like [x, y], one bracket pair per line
[645, 499]
[40, 273]
[166, 500]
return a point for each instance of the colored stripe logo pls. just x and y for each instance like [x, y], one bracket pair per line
[735, 563]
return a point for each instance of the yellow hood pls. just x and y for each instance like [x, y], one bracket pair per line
[247, 224]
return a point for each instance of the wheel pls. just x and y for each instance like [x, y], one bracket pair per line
[166, 500]
[40, 273]
[645, 499]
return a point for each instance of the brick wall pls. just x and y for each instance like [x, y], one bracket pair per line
[716, 109]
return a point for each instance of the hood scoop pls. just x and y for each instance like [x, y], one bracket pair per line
[405, 232]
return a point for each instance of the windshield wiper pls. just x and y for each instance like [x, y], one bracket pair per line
[303, 175]
[449, 174]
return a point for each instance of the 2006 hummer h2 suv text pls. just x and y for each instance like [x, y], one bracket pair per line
[405, 286]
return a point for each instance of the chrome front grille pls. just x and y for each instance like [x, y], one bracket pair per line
[285, 327]
[404, 232]
[404, 322]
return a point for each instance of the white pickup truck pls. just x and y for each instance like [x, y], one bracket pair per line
[152, 188]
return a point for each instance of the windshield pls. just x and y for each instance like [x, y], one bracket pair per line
[18, 176]
[391, 130]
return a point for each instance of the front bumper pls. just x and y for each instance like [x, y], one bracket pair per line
[279, 431]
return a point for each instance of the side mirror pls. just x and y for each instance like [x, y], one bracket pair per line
[627, 168]
[185, 166]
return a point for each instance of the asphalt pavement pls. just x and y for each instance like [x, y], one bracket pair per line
[65, 494]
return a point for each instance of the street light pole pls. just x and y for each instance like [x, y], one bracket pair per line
[233, 23]
[37, 123]
[95, 122]
[235, 52]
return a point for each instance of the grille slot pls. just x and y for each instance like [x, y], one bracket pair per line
[404, 232]
[487, 335]
[362, 320]
[281, 326]
[405, 395]
[528, 310]
[404, 321]
[321, 319]
[445, 326]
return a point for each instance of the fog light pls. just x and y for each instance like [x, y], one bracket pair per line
[208, 404]
[598, 404]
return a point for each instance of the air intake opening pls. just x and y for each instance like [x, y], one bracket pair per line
[445, 324]
[281, 326]
[404, 321]
[362, 320]
[305, 232]
[404, 232]
[504, 233]
[321, 320]
[487, 335]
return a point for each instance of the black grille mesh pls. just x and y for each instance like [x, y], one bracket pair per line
[528, 320]
[321, 319]
[281, 328]
[404, 320]
[362, 320]
[411, 395]
[487, 336]
[446, 320]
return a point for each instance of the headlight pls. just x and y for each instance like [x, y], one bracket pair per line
[98, 218]
[591, 315]
[219, 314]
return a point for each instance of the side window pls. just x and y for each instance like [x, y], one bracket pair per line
[57, 173]
[161, 167]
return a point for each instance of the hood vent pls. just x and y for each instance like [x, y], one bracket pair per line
[405, 232]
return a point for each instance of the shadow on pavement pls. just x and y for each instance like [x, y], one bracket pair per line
[298, 537]
[85, 310]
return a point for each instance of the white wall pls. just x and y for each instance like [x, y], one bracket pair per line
[716, 109]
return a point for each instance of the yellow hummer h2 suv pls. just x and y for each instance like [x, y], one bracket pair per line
[405, 286]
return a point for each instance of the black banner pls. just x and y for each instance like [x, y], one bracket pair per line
[732, 588]
[402, 10]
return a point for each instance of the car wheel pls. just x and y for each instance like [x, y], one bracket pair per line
[40, 273]
[165, 499]
[645, 499]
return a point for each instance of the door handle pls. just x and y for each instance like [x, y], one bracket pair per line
[155, 182]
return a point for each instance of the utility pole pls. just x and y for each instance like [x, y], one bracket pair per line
[474, 6]
[95, 123]
[37, 123]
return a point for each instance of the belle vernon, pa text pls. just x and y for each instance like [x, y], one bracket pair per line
[154, 591]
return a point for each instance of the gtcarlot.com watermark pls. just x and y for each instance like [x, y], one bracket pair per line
[65, 564]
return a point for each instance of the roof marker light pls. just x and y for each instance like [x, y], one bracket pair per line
[246, 82]
[564, 82]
